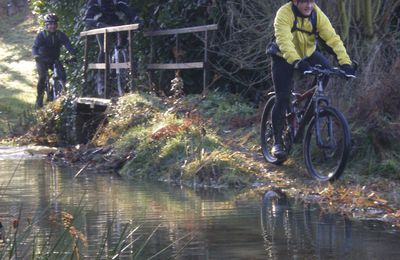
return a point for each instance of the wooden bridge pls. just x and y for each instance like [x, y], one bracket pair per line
[90, 108]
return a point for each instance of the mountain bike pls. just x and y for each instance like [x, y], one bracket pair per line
[119, 76]
[54, 83]
[310, 119]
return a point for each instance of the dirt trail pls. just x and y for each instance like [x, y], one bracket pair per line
[17, 68]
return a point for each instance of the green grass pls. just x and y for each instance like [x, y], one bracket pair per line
[166, 141]
[18, 75]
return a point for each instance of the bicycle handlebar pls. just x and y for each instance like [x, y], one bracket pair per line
[318, 70]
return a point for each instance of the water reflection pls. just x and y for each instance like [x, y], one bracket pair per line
[172, 221]
[186, 223]
[293, 230]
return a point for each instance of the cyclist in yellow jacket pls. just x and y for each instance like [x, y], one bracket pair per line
[298, 26]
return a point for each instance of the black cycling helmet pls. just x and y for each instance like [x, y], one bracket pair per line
[51, 18]
[107, 6]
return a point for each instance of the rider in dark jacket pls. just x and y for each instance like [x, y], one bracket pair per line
[103, 13]
[46, 51]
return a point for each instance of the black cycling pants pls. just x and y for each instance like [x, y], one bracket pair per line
[43, 71]
[282, 77]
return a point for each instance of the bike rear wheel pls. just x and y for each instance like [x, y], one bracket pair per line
[267, 138]
[326, 159]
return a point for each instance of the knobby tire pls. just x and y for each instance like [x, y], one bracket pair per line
[327, 162]
[266, 133]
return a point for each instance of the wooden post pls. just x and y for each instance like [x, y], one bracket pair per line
[85, 60]
[107, 65]
[177, 53]
[151, 73]
[205, 63]
[177, 48]
[130, 58]
[151, 49]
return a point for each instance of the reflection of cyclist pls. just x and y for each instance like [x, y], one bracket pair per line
[46, 50]
[292, 229]
[298, 25]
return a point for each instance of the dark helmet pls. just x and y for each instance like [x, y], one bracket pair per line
[51, 18]
[107, 6]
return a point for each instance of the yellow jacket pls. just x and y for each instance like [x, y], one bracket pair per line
[298, 45]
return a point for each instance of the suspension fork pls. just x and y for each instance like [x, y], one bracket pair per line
[320, 100]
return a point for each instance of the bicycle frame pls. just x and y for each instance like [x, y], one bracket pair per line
[53, 77]
[54, 72]
[315, 98]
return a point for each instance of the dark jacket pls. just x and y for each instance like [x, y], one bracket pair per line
[99, 15]
[47, 45]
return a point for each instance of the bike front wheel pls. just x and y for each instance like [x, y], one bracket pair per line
[326, 145]
[49, 90]
[58, 88]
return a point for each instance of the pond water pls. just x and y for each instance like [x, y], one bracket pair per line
[119, 218]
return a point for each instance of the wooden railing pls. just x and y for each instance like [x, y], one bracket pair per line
[106, 66]
[179, 65]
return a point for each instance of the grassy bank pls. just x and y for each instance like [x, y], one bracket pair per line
[18, 76]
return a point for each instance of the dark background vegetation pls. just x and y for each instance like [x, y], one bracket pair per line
[370, 30]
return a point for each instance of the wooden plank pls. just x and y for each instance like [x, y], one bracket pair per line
[110, 29]
[175, 66]
[194, 29]
[85, 60]
[93, 32]
[96, 66]
[102, 66]
[122, 65]
[92, 102]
